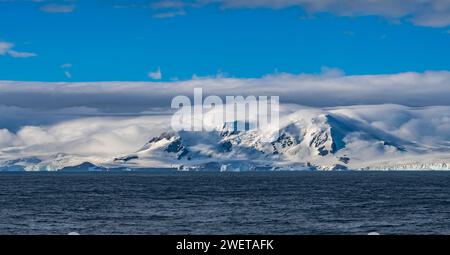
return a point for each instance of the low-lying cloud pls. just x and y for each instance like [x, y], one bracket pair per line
[92, 136]
[101, 138]
[105, 119]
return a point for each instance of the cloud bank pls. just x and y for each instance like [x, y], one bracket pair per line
[107, 119]
[100, 139]
[6, 48]
[94, 136]
[327, 89]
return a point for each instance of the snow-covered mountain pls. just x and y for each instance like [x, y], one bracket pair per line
[382, 137]
[306, 139]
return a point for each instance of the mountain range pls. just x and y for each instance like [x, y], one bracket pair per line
[378, 137]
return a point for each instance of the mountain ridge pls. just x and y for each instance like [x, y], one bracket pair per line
[307, 139]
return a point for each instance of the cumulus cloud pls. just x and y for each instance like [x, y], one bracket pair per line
[101, 138]
[105, 119]
[6, 138]
[6, 48]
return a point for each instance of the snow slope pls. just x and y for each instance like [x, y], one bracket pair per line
[325, 139]
[367, 137]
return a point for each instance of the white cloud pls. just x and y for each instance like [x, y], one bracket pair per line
[107, 119]
[104, 138]
[6, 138]
[58, 8]
[169, 4]
[156, 75]
[331, 72]
[66, 65]
[6, 48]
[95, 136]
[169, 14]
[424, 124]
[16, 54]
[31, 135]
[433, 13]
[330, 88]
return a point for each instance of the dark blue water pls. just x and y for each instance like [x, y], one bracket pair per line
[225, 203]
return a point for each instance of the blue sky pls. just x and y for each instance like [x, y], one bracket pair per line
[387, 59]
[125, 41]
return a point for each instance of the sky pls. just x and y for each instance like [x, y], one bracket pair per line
[89, 41]
[97, 77]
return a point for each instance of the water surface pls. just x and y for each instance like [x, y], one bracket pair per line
[225, 203]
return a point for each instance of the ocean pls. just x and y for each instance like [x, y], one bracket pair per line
[225, 203]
